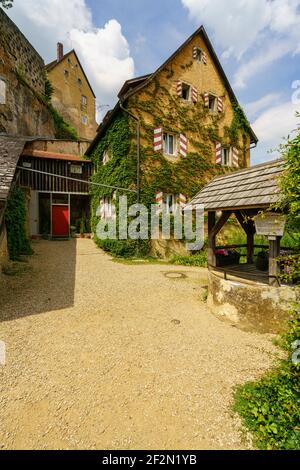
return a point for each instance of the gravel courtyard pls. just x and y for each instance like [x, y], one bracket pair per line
[118, 356]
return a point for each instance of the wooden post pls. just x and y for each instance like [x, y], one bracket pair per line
[211, 239]
[273, 263]
[250, 241]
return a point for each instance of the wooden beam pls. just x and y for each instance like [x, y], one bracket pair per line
[274, 270]
[221, 222]
[211, 239]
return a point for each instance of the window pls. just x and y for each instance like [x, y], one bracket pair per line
[2, 91]
[198, 54]
[66, 73]
[226, 154]
[170, 144]
[212, 103]
[170, 200]
[83, 103]
[84, 120]
[105, 157]
[107, 208]
[186, 92]
[79, 81]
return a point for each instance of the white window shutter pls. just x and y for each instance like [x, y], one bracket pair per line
[194, 94]
[235, 157]
[158, 140]
[206, 100]
[179, 88]
[220, 104]
[183, 144]
[218, 153]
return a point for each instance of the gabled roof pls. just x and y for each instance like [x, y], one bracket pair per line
[132, 86]
[10, 151]
[54, 63]
[255, 187]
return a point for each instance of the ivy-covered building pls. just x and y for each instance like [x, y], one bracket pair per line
[190, 128]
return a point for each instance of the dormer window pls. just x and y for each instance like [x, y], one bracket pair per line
[2, 91]
[198, 54]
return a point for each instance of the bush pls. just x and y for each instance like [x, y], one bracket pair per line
[270, 407]
[124, 248]
[15, 219]
[199, 259]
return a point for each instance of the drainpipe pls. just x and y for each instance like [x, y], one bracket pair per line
[138, 152]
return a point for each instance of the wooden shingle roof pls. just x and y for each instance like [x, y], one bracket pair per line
[10, 151]
[255, 187]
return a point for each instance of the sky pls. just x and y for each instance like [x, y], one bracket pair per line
[257, 41]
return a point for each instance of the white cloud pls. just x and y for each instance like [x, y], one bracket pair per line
[266, 101]
[242, 26]
[272, 126]
[104, 52]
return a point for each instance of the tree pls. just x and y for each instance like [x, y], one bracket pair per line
[6, 3]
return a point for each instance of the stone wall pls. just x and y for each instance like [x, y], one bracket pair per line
[22, 70]
[21, 53]
[249, 305]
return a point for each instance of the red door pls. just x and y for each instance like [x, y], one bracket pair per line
[60, 221]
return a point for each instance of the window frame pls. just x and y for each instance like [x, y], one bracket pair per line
[229, 164]
[82, 120]
[173, 198]
[166, 149]
[189, 89]
[213, 97]
[199, 55]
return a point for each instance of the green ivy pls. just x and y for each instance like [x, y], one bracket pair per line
[185, 175]
[15, 219]
[63, 130]
[239, 124]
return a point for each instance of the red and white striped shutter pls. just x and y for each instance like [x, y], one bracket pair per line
[206, 100]
[204, 57]
[194, 94]
[218, 153]
[183, 145]
[158, 139]
[179, 88]
[235, 157]
[220, 104]
[195, 52]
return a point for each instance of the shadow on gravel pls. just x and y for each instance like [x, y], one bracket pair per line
[48, 285]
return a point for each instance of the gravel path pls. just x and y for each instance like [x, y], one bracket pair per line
[114, 356]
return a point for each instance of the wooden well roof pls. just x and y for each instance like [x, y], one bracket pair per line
[255, 187]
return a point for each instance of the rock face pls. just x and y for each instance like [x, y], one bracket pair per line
[250, 306]
[22, 81]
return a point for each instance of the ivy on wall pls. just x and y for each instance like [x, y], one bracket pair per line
[63, 130]
[158, 173]
[15, 219]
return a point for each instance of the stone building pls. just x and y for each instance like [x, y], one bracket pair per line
[73, 95]
[22, 82]
[191, 128]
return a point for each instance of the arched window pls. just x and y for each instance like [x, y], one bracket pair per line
[2, 91]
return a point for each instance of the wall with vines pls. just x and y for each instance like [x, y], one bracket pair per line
[157, 105]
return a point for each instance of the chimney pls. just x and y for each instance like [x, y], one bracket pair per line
[60, 51]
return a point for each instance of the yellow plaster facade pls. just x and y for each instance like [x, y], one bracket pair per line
[72, 96]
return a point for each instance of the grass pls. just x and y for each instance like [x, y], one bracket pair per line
[199, 260]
